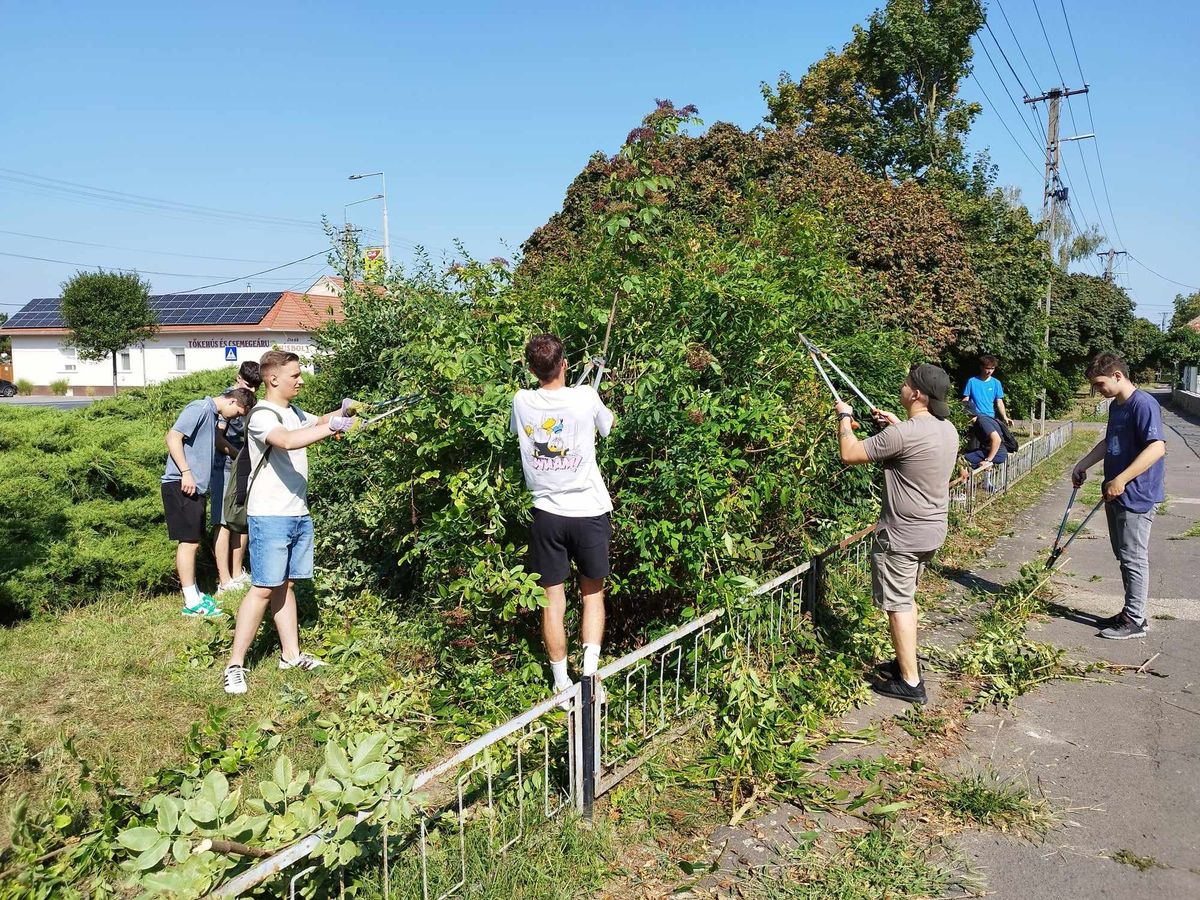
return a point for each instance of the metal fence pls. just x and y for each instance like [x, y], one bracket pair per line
[480, 803]
[984, 485]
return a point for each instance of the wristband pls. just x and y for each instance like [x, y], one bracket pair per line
[184, 471]
[845, 415]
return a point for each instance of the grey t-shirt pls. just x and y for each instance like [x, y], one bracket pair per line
[917, 457]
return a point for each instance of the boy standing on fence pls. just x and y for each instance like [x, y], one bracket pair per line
[556, 427]
[917, 457]
[1133, 449]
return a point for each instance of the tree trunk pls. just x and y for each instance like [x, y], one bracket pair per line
[114, 356]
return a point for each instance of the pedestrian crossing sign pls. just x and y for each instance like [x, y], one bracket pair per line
[231, 354]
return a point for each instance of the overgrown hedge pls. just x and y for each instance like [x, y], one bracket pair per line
[80, 513]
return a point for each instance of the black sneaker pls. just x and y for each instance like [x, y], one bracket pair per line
[1124, 629]
[902, 690]
[889, 669]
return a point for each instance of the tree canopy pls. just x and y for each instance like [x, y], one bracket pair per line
[106, 312]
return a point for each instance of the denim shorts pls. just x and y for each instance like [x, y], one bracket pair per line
[281, 549]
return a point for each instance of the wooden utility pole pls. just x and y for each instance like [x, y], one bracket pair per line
[1051, 194]
[1108, 256]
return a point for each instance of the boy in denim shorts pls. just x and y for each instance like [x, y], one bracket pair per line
[281, 531]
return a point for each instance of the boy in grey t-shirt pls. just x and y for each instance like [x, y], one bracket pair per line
[917, 457]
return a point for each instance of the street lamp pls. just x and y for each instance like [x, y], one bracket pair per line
[387, 244]
[345, 220]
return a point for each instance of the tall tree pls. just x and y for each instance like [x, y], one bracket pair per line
[107, 312]
[890, 97]
[1187, 308]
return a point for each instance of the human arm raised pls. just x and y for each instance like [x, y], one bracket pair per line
[852, 451]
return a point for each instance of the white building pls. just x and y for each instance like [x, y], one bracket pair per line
[196, 332]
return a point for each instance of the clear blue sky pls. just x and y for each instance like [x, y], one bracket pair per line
[481, 114]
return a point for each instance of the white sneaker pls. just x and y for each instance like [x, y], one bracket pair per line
[235, 680]
[242, 580]
[226, 587]
[305, 661]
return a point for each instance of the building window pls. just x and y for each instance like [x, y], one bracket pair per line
[125, 362]
[69, 359]
[180, 359]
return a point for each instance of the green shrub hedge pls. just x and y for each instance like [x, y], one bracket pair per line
[80, 514]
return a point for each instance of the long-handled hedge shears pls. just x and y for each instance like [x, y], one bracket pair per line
[1059, 548]
[813, 349]
[389, 407]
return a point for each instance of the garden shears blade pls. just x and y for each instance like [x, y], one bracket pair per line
[1057, 551]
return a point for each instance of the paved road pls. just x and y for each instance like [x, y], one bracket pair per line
[59, 402]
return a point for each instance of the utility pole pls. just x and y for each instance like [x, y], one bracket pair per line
[1164, 323]
[1052, 193]
[1108, 257]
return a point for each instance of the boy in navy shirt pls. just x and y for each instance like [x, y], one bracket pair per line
[1133, 449]
[986, 391]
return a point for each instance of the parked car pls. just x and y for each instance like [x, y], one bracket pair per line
[7, 388]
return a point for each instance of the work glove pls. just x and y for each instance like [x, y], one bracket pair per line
[352, 407]
[341, 424]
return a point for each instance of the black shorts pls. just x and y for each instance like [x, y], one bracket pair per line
[556, 540]
[185, 515]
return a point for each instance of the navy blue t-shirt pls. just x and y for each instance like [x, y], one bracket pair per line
[985, 427]
[1131, 426]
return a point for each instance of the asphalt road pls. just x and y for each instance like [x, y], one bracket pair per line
[58, 402]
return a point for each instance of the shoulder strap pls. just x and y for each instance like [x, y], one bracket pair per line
[266, 453]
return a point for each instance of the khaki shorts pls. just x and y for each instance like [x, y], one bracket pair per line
[894, 575]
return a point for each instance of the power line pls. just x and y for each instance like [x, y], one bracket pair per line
[1005, 55]
[90, 266]
[1190, 287]
[1004, 86]
[255, 274]
[42, 237]
[1016, 41]
[121, 199]
[1049, 46]
[1000, 119]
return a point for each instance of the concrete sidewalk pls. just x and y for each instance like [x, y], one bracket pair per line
[1122, 758]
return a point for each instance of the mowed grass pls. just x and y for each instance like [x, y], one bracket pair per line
[113, 676]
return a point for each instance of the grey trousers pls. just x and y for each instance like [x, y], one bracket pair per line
[1129, 534]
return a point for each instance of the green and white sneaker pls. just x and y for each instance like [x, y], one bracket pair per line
[206, 609]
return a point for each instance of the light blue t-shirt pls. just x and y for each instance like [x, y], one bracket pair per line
[984, 394]
[198, 425]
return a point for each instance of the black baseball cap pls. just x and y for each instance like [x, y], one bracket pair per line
[934, 383]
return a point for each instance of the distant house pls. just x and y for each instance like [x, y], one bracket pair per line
[197, 332]
[1195, 323]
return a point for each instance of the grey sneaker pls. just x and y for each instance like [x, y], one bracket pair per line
[902, 690]
[1123, 629]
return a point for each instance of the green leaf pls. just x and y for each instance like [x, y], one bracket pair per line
[890, 808]
[370, 773]
[216, 787]
[168, 814]
[201, 809]
[271, 792]
[347, 852]
[370, 750]
[336, 761]
[327, 790]
[152, 855]
[138, 839]
[283, 773]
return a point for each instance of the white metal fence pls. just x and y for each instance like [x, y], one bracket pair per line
[478, 804]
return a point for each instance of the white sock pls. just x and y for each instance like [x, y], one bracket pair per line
[591, 659]
[562, 680]
[191, 595]
[912, 683]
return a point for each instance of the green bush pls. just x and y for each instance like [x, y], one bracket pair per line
[24, 387]
[60, 387]
[80, 514]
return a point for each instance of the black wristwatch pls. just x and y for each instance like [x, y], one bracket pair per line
[845, 415]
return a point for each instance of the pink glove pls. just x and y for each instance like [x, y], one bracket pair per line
[341, 424]
[350, 406]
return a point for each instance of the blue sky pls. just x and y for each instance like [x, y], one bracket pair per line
[481, 115]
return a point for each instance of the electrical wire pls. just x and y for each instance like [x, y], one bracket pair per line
[80, 265]
[254, 274]
[1190, 287]
[42, 237]
[1008, 93]
[1024, 92]
[1049, 46]
[1020, 49]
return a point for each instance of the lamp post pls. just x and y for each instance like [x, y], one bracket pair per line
[346, 225]
[387, 243]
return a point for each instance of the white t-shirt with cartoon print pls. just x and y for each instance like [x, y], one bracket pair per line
[557, 432]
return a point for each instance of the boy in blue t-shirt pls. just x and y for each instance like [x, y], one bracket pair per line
[1132, 449]
[986, 391]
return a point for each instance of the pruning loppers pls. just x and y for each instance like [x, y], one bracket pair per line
[1059, 548]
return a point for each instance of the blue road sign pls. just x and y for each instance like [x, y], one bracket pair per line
[231, 354]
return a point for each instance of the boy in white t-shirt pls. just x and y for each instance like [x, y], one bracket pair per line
[556, 426]
[281, 531]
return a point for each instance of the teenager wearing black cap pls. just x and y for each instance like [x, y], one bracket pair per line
[917, 456]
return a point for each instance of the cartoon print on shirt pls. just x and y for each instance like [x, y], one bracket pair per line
[552, 442]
